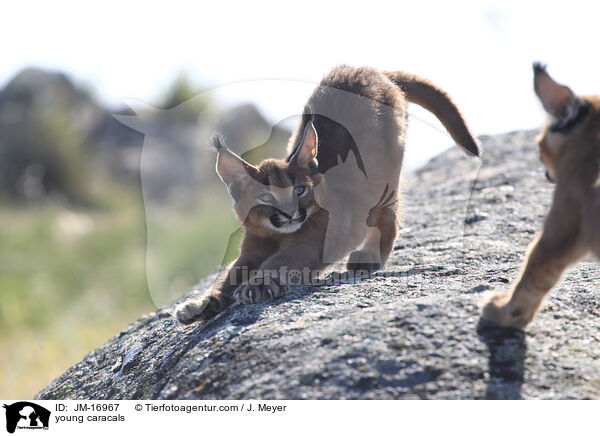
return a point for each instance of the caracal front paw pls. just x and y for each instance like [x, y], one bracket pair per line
[258, 293]
[202, 309]
[499, 309]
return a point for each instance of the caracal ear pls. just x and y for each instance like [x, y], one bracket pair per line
[232, 169]
[306, 153]
[558, 100]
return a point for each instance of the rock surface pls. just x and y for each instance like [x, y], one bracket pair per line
[412, 331]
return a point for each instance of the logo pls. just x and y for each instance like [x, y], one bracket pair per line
[26, 415]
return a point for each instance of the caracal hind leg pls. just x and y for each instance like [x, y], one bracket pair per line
[383, 223]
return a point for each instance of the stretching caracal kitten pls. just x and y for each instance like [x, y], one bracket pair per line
[335, 194]
[570, 150]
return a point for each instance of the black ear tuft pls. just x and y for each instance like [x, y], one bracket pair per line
[217, 143]
[539, 67]
[558, 100]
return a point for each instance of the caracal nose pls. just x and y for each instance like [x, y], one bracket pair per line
[290, 208]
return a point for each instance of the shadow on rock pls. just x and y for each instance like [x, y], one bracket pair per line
[507, 349]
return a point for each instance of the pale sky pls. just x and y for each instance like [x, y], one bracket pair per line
[480, 52]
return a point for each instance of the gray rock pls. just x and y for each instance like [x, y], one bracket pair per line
[411, 331]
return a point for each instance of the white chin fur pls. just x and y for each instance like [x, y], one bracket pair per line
[287, 228]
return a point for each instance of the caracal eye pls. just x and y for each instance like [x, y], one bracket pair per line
[300, 190]
[265, 197]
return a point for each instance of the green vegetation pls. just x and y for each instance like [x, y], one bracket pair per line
[183, 90]
[74, 236]
[69, 279]
[72, 278]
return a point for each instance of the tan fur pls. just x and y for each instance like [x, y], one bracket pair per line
[346, 157]
[572, 227]
[429, 96]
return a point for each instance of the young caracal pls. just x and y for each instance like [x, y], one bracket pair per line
[570, 150]
[336, 193]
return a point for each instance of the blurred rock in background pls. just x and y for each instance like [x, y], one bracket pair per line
[57, 140]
